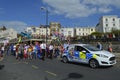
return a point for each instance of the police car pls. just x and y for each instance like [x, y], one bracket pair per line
[88, 54]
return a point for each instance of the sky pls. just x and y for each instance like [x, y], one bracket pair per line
[19, 14]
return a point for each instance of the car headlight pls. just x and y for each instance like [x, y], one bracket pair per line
[102, 55]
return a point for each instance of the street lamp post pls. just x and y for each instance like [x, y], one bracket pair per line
[44, 8]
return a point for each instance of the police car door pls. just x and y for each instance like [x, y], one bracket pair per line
[80, 54]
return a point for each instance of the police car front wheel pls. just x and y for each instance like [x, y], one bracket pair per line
[65, 60]
[93, 63]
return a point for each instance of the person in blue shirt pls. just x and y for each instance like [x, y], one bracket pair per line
[66, 45]
[99, 45]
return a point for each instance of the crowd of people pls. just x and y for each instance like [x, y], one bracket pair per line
[36, 50]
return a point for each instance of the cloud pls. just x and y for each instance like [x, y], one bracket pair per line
[104, 9]
[16, 25]
[81, 8]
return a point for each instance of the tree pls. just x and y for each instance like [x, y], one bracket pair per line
[97, 34]
[116, 32]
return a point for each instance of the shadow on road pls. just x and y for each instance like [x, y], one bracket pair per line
[70, 76]
[73, 76]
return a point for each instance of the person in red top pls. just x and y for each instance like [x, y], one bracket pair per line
[110, 47]
[16, 51]
[61, 50]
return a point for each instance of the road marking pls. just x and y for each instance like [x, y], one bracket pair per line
[26, 62]
[35, 67]
[53, 74]
[17, 62]
[20, 62]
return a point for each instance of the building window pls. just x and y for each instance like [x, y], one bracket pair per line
[83, 29]
[69, 32]
[34, 29]
[29, 31]
[106, 19]
[83, 34]
[79, 29]
[113, 24]
[113, 19]
[91, 29]
[106, 25]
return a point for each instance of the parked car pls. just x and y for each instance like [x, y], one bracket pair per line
[88, 54]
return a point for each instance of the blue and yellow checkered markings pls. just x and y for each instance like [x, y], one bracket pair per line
[76, 54]
[94, 56]
[66, 52]
[89, 56]
[82, 55]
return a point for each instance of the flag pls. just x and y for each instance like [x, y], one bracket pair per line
[19, 39]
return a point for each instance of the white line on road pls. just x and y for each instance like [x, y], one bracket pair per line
[35, 67]
[51, 73]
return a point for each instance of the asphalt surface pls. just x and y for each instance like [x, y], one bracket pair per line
[54, 70]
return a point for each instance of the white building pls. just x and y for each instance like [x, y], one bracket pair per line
[33, 30]
[68, 32]
[65, 31]
[38, 31]
[7, 35]
[108, 23]
[44, 31]
[84, 31]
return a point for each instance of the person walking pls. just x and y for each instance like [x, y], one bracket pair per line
[25, 55]
[30, 50]
[51, 51]
[43, 47]
[99, 45]
[56, 52]
[1, 57]
[110, 47]
[34, 52]
[37, 46]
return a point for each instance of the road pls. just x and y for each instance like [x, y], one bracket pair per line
[55, 70]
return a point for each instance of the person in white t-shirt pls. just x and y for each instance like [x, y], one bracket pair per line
[51, 51]
[43, 47]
